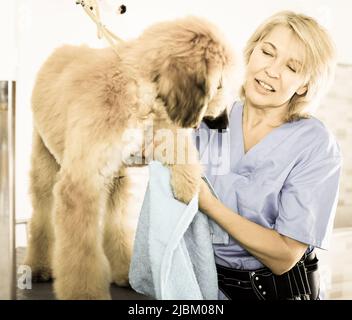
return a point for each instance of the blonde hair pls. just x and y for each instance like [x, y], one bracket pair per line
[319, 60]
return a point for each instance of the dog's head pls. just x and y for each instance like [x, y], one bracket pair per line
[193, 70]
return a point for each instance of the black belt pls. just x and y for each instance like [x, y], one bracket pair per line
[299, 283]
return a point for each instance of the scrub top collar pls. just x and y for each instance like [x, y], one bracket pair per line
[241, 161]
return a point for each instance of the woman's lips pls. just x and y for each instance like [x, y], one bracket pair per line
[265, 86]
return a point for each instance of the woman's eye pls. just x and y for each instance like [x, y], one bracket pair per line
[267, 53]
[292, 69]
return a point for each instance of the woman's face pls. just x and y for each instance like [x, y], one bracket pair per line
[273, 72]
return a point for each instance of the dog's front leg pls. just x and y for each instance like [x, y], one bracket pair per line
[81, 269]
[179, 153]
[185, 181]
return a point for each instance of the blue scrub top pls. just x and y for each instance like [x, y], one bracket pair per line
[287, 182]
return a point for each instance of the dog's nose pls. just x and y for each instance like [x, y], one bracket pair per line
[221, 122]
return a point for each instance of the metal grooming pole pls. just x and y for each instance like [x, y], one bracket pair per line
[7, 190]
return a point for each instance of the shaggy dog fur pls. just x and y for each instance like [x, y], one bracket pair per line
[173, 75]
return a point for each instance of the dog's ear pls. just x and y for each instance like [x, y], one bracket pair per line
[221, 122]
[183, 89]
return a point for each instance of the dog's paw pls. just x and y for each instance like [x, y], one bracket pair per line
[119, 274]
[83, 279]
[42, 274]
[121, 280]
[118, 249]
[81, 288]
[39, 272]
[182, 195]
[184, 189]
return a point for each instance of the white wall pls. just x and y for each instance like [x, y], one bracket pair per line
[30, 29]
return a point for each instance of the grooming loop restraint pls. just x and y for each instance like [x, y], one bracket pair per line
[91, 7]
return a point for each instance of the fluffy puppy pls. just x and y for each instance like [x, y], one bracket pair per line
[86, 104]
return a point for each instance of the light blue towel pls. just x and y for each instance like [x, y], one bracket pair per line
[173, 256]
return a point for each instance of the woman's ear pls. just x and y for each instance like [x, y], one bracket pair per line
[302, 90]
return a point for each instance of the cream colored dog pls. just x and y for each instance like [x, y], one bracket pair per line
[84, 101]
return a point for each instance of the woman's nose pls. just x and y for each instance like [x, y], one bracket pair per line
[273, 70]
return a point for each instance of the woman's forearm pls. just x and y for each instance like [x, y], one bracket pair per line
[265, 244]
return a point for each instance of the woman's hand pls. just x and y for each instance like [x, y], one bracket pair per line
[206, 197]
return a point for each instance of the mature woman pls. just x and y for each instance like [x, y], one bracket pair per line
[278, 197]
